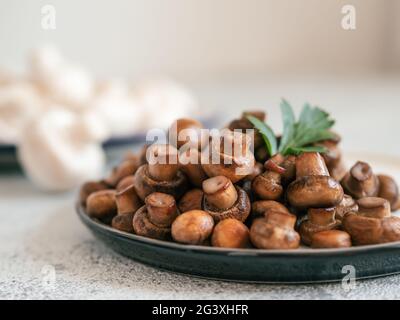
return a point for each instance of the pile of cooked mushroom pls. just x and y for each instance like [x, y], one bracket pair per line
[285, 201]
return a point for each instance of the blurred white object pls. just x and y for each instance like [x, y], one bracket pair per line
[122, 115]
[163, 101]
[65, 82]
[19, 103]
[61, 149]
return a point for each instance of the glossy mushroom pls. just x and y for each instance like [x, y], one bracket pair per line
[190, 165]
[331, 239]
[186, 132]
[192, 227]
[123, 222]
[228, 155]
[161, 174]
[191, 200]
[373, 207]
[230, 233]
[275, 231]
[153, 220]
[268, 186]
[360, 181]
[261, 208]
[244, 124]
[318, 220]
[102, 205]
[223, 200]
[88, 188]
[313, 187]
[388, 189]
[127, 200]
[348, 204]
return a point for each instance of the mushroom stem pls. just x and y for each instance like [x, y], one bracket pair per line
[161, 209]
[361, 182]
[127, 200]
[321, 216]
[373, 207]
[310, 164]
[163, 162]
[220, 192]
[281, 219]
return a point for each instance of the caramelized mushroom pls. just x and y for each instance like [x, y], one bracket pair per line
[186, 132]
[318, 220]
[275, 231]
[360, 181]
[127, 200]
[268, 186]
[102, 205]
[125, 183]
[192, 227]
[154, 219]
[161, 174]
[191, 200]
[228, 156]
[261, 208]
[88, 188]
[230, 233]
[123, 222]
[365, 230]
[331, 239]
[313, 187]
[223, 200]
[243, 124]
[373, 207]
[388, 190]
[190, 165]
[126, 168]
[348, 204]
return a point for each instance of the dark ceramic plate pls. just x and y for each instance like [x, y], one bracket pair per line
[252, 265]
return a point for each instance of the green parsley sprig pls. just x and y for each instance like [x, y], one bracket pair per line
[298, 136]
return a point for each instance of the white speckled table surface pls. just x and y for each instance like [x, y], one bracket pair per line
[39, 231]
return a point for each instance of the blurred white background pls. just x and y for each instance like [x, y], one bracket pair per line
[236, 53]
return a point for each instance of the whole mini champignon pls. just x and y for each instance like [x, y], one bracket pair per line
[127, 200]
[331, 239]
[348, 204]
[123, 222]
[186, 132]
[102, 205]
[360, 181]
[261, 208]
[268, 186]
[228, 155]
[373, 207]
[230, 233]
[125, 183]
[88, 188]
[244, 124]
[317, 220]
[275, 231]
[223, 200]
[388, 190]
[313, 187]
[154, 219]
[192, 227]
[190, 165]
[367, 230]
[162, 174]
[126, 168]
[191, 200]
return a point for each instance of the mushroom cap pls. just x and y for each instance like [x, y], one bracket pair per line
[125, 182]
[192, 227]
[373, 207]
[144, 227]
[360, 181]
[102, 205]
[363, 230]
[265, 235]
[267, 186]
[185, 130]
[388, 189]
[191, 200]
[261, 207]
[230, 233]
[123, 222]
[240, 210]
[331, 239]
[127, 200]
[314, 192]
[348, 204]
[145, 185]
[88, 188]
